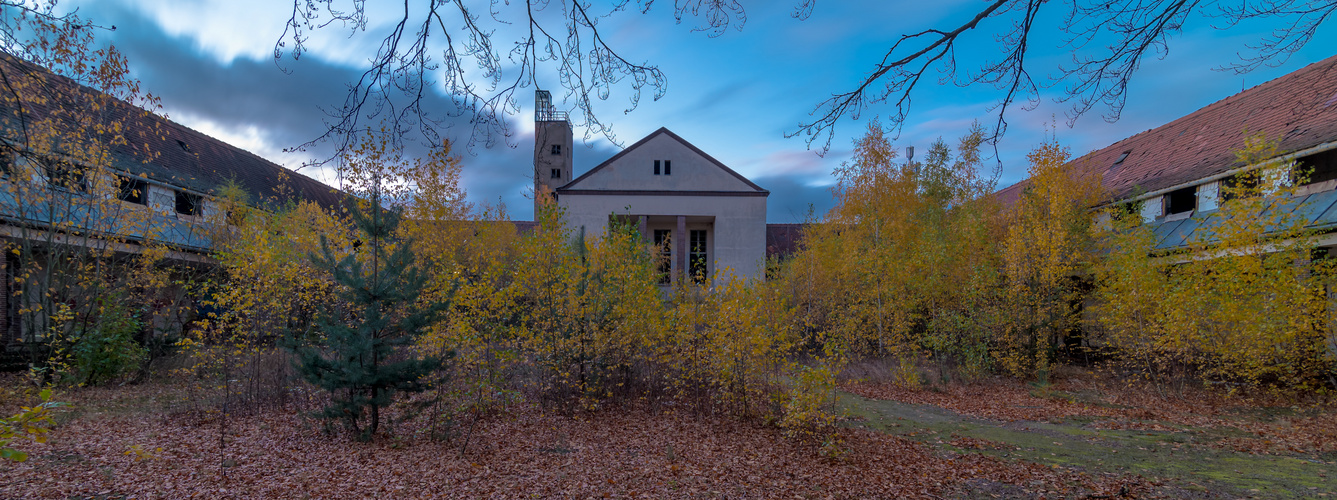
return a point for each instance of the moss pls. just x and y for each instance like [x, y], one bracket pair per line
[1181, 457]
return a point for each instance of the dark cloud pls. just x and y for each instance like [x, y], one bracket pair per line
[792, 199]
[286, 108]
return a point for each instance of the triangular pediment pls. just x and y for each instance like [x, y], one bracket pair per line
[683, 168]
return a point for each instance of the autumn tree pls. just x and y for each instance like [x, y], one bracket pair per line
[904, 264]
[1047, 252]
[75, 125]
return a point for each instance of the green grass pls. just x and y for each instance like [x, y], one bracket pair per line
[1184, 458]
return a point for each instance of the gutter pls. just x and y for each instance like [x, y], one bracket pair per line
[1321, 148]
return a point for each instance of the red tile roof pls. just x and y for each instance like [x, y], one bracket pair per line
[1299, 110]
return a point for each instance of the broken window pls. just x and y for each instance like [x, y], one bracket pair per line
[7, 159]
[1316, 168]
[132, 190]
[1241, 185]
[1181, 200]
[556, 149]
[188, 204]
[65, 175]
[1130, 209]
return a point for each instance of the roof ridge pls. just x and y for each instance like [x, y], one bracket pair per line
[662, 131]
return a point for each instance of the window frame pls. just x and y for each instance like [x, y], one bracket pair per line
[698, 255]
[196, 204]
[663, 238]
[64, 175]
[134, 183]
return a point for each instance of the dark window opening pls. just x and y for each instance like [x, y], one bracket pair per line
[1316, 168]
[556, 173]
[184, 147]
[188, 204]
[132, 190]
[1241, 185]
[1129, 211]
[698, 260]
[656, 167]
[7, 158]
[556, 149]
[668, 167]
[664, 240]
[1181, 200]
[65, 175]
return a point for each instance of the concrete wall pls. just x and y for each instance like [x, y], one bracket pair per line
[546, 135]
[737, 233]
[634, 170]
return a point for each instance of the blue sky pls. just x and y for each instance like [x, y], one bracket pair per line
[735, 96]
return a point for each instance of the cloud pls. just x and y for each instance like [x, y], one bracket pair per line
[791, 200]
[254, 105]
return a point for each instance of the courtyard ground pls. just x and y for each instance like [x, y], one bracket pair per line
[992, 439]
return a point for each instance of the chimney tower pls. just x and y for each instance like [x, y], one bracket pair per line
[552, 147]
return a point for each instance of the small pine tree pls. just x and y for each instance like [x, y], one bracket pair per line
[360, 363]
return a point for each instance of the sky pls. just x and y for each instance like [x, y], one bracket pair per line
[735, 95]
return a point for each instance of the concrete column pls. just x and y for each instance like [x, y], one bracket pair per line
[641, 226]
[680, 248]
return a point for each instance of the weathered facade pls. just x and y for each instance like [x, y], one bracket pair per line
[712, 218]
[1173, 173]
[151, 181]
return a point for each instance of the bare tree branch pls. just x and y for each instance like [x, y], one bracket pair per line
[563, 35]
[1109, 41]
[902, 74]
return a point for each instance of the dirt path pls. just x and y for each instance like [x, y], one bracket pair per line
[1182, 460]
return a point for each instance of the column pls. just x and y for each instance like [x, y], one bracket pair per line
[641, 226]
[680, 248]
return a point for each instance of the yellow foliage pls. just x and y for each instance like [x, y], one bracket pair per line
[1046, 252]
[1246, 301]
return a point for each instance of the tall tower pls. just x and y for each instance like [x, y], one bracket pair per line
[552, 147]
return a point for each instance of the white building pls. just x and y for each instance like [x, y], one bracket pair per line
[713, 219]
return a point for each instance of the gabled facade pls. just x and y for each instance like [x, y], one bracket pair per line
[710, 218]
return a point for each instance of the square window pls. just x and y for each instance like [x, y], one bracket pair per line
[556, 173]
[132, 190]
[556, 149]
[188, 204]
[1181, 200]
[1242, 185]
[65, 175]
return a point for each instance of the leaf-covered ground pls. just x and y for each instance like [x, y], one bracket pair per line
[996, 439]
[121, 442]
